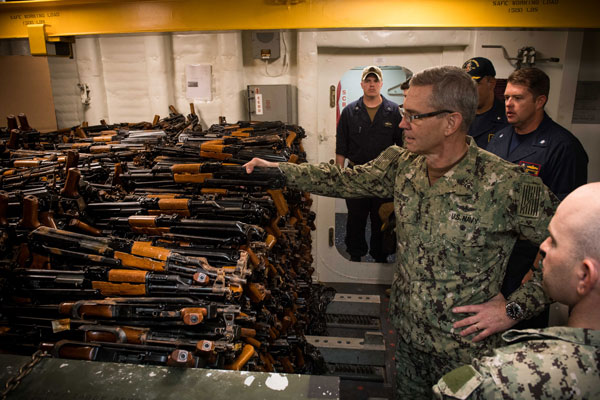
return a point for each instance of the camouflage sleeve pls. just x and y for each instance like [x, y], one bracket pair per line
[461, 383]
[374, 179]
[535, 367]
[535, 205]
[498, 377]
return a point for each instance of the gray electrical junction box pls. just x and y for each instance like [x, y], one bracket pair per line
[273, 103]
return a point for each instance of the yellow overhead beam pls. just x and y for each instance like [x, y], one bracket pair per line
[85, 17]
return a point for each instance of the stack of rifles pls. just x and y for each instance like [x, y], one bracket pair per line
[148, 243]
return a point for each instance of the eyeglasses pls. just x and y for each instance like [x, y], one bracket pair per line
[410, 118]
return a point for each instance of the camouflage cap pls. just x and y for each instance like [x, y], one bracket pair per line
[372, 69]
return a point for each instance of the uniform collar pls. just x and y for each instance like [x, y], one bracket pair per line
[385, 105]
[459, 179]
[587, 337]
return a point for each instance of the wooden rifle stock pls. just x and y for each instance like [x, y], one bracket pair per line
[101, 336]
[193, 315]
[119, 289]
[242, 359]
[127, 275]
[256, 292]
[181, 358]
[287, 365]
[270, 241]
[71, 187]
[27, 163]
[114, 334]
[290, 138]
[128, 260]
[72, 160]
[39, 261]
[216, 155]
[192, 178]
[254, 259]
[83, 227]
[145, 249]
[105, 139]
[299, 358]
[206, 346]
[11, 122]
[46, 218]
[80, 133]
[30, 213]
[266, 362]
[279, 201]
[134, 335]
[101, 149]
[247, 332]
[173, 204]
[255, 343]
[118, 171]
[83, 310]
[3, 208]
[13, 140]
[24, 123]
[75, 352]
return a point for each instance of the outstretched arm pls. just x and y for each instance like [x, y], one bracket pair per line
[259, 162]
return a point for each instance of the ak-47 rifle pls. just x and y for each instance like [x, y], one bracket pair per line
[140, 255]
[213, 174]
[122, 353]
[216, 321]
[238, 210]
[231, 231]
[137, 354]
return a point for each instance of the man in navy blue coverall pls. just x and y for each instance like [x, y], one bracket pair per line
[366, 127]
[544, 149]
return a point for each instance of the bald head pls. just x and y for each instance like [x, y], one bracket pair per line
[571, 256]
[579, 213]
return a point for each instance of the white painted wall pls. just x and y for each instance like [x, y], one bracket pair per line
[134, 77]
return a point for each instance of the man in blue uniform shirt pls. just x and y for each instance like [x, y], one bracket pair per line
[543, 147]
[366, 127]
[490, 117]
[534, 140]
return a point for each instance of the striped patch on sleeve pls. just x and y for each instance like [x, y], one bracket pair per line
[529, 201]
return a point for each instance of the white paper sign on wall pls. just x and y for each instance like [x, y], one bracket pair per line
[198, 82]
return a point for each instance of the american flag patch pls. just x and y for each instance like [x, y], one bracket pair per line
[530, 200]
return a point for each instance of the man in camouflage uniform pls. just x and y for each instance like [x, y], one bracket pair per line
[459, 211]
[555, 362]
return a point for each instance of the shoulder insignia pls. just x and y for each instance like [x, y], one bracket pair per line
[460, 382]
[529, 200]
[389, 155]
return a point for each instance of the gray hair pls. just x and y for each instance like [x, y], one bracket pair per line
[453, 89]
